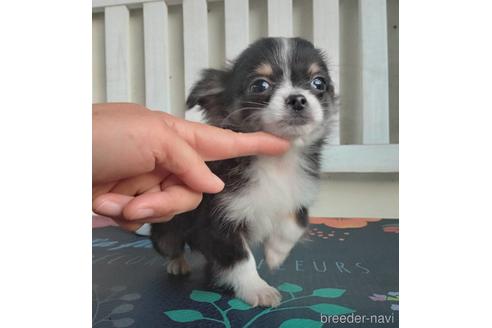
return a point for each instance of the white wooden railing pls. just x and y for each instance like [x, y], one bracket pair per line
[374, 154]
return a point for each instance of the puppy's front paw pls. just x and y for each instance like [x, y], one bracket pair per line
[178, 266]
[263, 295]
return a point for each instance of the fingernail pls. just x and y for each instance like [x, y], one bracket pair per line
[143, 213]
[133, 227]
[109, 208]
[219, 182]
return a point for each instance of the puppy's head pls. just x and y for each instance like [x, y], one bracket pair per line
[277, 85]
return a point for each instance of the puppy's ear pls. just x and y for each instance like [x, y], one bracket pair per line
[208, 92]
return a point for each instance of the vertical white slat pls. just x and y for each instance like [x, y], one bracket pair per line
[117, 29]
[157, 95]
[326, 36]
[195, 33]
[280, 18]
[236, 26]
[374, 52]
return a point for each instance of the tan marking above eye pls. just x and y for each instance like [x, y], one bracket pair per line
[264, 69]
[314, 69]
[292, 217]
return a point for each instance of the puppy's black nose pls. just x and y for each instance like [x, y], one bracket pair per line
[296, 102]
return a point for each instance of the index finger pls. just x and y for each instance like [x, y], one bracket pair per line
[213, 143]
[178, 157]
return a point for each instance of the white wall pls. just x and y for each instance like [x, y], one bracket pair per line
[358, 195]
[342, 195]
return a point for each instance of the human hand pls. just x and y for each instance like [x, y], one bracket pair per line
[149, 166]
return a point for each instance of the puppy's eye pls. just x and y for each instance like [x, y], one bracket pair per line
[259, 86]
[318, 83]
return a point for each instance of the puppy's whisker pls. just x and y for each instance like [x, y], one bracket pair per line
[243, 119]
[228, 118]
[256, 103]
[239, 125]
[238, 111]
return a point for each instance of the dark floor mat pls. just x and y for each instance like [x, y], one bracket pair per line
[347, 271]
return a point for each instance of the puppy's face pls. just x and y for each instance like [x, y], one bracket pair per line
[277, 85]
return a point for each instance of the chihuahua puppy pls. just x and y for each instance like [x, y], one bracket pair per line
[281, 86]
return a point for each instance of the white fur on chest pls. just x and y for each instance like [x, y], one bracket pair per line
[278, 186]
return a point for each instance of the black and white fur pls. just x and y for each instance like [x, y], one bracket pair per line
[265, 199]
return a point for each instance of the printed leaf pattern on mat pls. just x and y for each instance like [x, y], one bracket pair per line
[293, 290]
[328, 292]
[119, 315]
[392, 297]
[203, 296]
[184, 315]
[304, 323]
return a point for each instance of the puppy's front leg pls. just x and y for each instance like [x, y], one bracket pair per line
[247, 284]
[284, 237]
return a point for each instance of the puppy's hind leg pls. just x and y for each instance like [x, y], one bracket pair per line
[171, 245]
[178, 266]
